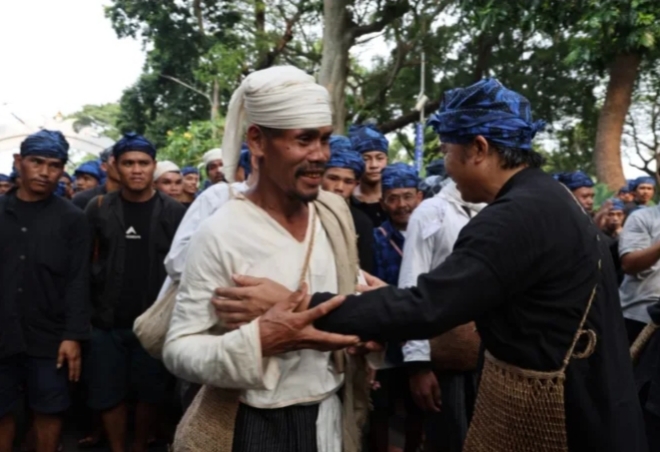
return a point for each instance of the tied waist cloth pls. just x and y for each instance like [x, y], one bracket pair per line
[522, 410]
[209, 423]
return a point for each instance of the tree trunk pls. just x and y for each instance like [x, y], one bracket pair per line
[337, 41]
[215, 108]
[607, 151]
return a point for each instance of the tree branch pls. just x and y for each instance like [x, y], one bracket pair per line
[190, 87]
[270, 57]
[197, 8]
[391, 12]
[408, 118]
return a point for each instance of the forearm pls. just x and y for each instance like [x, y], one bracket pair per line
[638, 261]
[232, 360]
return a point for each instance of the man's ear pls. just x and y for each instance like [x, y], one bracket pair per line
[481, 148]
[256, 140]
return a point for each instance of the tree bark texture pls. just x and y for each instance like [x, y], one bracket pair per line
[607, 151]
[337, 41]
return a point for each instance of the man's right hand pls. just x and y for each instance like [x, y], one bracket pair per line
[281, 329]
[426, 390]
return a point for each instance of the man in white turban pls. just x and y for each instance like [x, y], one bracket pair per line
[168, 179]
[285, 228]
[213, 164]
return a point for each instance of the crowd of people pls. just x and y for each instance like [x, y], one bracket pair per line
[499, 248]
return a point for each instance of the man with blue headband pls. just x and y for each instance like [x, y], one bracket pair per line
[190, 185]
[643, 189]
[526, 270]
[110, 181]
[133, 228]
[44, 306]
[373, 146]
[615, 218]
[400, 198]
[581, 186]
[5, 184]
[342, 174]
[88, 176]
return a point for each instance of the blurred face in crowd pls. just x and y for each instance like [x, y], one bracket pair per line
[136, 171]
[626, 197]
[374, 162]
[110, 169]
[399, 204]
[585, 196]
[341, 181]
[85, 182]
[190, 183]
[39, 175]
[614, 220]
[170, 183]
[292, 160]
[68, 187]
[214, 171]
[5, 186]
[644, 193]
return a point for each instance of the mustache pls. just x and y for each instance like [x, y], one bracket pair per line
[310, 168]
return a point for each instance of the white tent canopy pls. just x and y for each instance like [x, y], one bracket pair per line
[14, 129]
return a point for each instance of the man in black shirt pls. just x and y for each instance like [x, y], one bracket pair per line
[529, 270]
[373, 146]
[111, 181]
[44, 300]
[132, 232]
[342, 173]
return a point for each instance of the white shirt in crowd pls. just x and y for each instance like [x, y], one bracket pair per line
[430, 236]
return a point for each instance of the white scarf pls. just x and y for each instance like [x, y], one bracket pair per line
[280, 97]
[451, 194]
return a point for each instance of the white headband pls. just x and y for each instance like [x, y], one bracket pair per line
[280, 97]
[213, 154]
[165, 167]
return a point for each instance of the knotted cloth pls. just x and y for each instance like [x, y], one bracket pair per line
[399, 175]
[367, 138]
[617, 204]
[642, 180]
[91, 168]
[574, 180]
[5, 178]
[488, 109]
[189, 170]
[342, 155]
[46, 143]
[280, 97]
[133, 142]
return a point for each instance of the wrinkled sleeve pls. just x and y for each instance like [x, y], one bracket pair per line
[417, 256]
[635, 235]
[196, 349]
[494, 254]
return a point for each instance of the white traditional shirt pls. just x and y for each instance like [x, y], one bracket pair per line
[206, 204]
[241, 238]
[430, 236]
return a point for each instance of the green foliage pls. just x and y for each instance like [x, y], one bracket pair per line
[603, 193]
[185, 146]
[102, 118]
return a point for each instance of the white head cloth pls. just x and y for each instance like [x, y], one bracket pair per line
[165, 167]
[213, 154]
[280, 97]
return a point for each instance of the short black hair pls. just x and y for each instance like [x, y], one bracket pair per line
[515, 158]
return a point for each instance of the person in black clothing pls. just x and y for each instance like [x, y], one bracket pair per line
[373, 146]
[111, 181]
[132, 232]
[524, 269]
[342, 173]
[44, 279]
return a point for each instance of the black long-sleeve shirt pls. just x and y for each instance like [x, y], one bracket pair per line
[44, 275]
[523, 269]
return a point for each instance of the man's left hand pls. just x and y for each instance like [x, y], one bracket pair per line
[70, 352]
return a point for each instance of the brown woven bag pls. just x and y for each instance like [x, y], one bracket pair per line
[521, 410]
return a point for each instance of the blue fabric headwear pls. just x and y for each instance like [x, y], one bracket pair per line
[489, 109]
[642, 180]
[4, 178]
[625, 189]
[399, 175]
[133, 142]
[574, 180]
[189, 170]
[13, 176]
[68, 176]
[244, 160]
[60, 190]
[436, 168]
[92, 168]
[367, 138]
[342, 155]
[46, 143]
[617, 204]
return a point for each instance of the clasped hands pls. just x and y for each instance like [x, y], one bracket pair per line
[285, 322]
